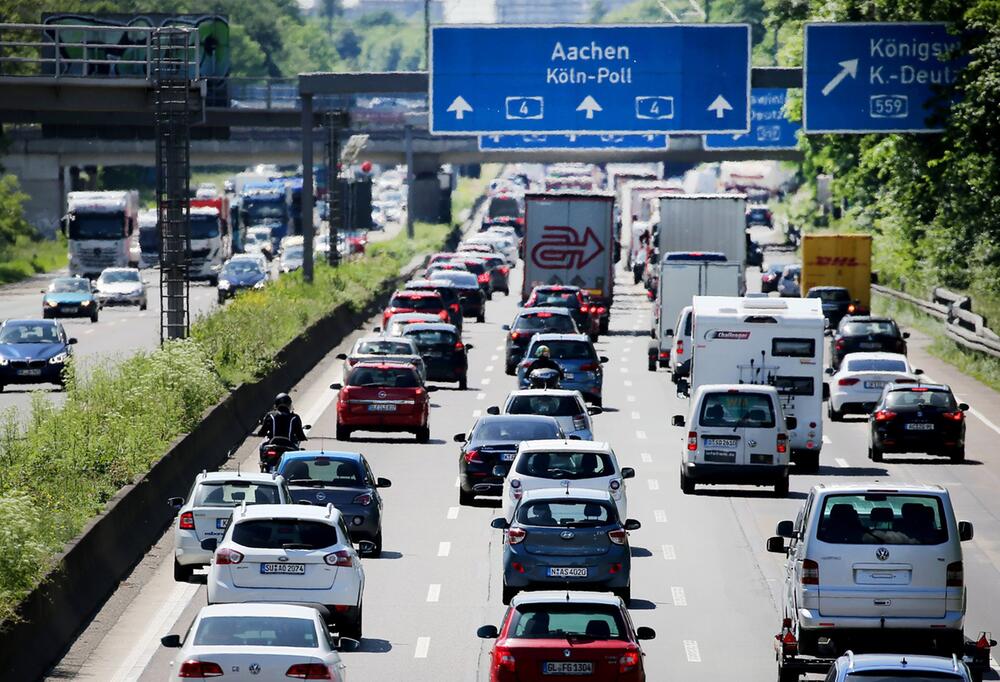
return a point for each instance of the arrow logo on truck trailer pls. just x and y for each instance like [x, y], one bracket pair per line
[561, 248]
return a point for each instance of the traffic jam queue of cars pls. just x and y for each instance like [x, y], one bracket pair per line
[872, 569]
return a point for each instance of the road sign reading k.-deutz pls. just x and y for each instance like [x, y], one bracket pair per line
[680, 79]
[877, 77]
[770, 126]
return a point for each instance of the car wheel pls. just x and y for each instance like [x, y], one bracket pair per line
[377, 550]
[481, 317]
[213, 281]
[46, 315]
[781, 487]
[182, 574]
[808, 462]
[93, 317]
[343, 433]
[594, 338]
[508, 593]
[222, 299]
[875, 453]
[143, 305]
[788, 675]
[687, 484]
[466, 498]
[352, 629]
[625, 593]
[509, 369]
[1, 388]
[489, 295]
[958, 454]
[463, 382]
[653, 364]
[423, 434]
[604, 325]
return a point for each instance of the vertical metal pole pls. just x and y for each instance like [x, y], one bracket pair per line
[410, 180]
[334, 198]
[307, 187]
[427, 34]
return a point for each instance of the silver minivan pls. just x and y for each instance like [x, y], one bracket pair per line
[867, 563]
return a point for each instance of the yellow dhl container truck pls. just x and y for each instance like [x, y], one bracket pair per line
[838, 260]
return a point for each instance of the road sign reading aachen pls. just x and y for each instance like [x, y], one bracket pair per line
[572, 79]
[556, 142]
[876, 77]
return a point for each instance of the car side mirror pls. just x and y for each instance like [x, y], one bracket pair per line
[603, 359]
[376, 329]
[677, 420]
[827, 332]
[505, 327]
[785, 529]
[644, 633]
[341, 356]
[593, 410]
[72, 341]
[487, 632]
[631, 524]
[776, 545]
[963, 407]
[210, 544]
[176, 502]
[307, 427]
[498, 470]
[383, 483]
[459, 438]
[499, 523]
[791, 423]
[906, 335]
[628, 472]
[431, 389]
[336, 386]
[573, 437]
[469, 346]
[171, 641]
[492, 409]
[830, 371]
[965, 530]
[918, 372]
[41, 291]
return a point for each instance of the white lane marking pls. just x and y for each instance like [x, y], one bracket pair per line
[974, 412]
[630, 398]
[660, 515]
[444, 548]
[434, 592]
[423, 644]
[627, 382]
[477, 413]
[826, 440]
[458, 481]
[485, 381]
[500, 347]
[88, 331]
[635, 415]
[640, 435]
[623, 370]
[645, 457]
[452, 512]
[493, 358]
[842, 463]
[489, 368]
[994, 664]
[480, 396]
[691, 651]
[653, 484]
[668, 553]
[677, 594]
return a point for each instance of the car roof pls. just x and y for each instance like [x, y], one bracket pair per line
[865, 662]
[435, 326]
[383, 364]
[117, 270]
[565, 597]
[560, 444]
[416, 293]
[867, 318]
[379, 337]
[268, 609]
[736, 388]
[492, 418]
[313, 454]
[895, 386]
[543, 391]
[252, 476]
[873, 355]
[411, 316]
[568, 493]
[828, 288]
[47, 323]
[552, 336]
[544, 309]
[879, 488]
[287, 511]
[555, 287]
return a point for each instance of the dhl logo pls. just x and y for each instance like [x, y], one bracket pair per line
[841, 261]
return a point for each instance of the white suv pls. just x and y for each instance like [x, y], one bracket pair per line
[209, 507]
[568, 408]
[568, 463]
[868, 563]
[290, 553]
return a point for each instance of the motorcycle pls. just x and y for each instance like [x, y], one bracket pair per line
[271, 451]
[543, 378]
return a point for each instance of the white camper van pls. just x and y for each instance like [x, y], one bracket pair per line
[765, 341]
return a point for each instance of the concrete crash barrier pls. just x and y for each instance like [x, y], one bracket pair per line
[95, 562]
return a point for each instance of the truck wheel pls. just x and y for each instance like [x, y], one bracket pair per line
[808, 462]
[481, 317]
[652, 363]
[787, 675]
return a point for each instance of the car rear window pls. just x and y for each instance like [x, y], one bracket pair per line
[563, 514]
[475, 268]
[501, 207]
[869, 328]
[329, 470]
[256, 631]
[416, 302]
[876, 366]
[388, 378]
[233, 493]
[567, 350]
[830, 295]
[545, 405]
[462, 279]
[571, 466]
[280, 533]
[891, 675]
[384, 348]
[560, 299]
[431, 337]
[752, 410]
[513, 430]
[920, 397]
[534, 322]
[559, 621]
[882, 519]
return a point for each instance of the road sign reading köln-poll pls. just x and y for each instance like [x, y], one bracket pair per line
[875, 77]
[770, 127]
[681, 78]
[557, 142]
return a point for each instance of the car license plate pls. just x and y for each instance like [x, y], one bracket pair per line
[29, 372]
[222, 523]
[919, 426]
[567, 572]
[285, 569]
[720, 442]
[382, 407]
[71, 309]
[569, 375]
[567, 668]
[875, 384]
[507, 456]
[870, 345]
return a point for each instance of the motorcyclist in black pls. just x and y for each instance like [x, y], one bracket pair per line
[281, 422]
[543, 360]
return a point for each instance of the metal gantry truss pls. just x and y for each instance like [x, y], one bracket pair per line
[333, 122]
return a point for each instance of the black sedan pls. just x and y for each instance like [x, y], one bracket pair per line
[529, 322]
[866, 333]
[445, 356]
[470, 295]
[489, 448]
[918, 418]
[562, 296]
[33, 352]
[836, 302]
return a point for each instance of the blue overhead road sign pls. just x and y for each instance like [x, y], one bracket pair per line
[770, 127]
[876, 77]
[571, 79]
[632, 142]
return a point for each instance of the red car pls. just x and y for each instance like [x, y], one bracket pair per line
[440, 257]
[566, 636]
[409, 301]
[383, 396]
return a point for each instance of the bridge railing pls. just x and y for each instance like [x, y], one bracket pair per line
[72, 51]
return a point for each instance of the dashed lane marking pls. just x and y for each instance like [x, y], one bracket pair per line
[480, 396]
[691, 651]
[653, 484]
[677, 594]
[434, 592]
[500, 347]
[645, 457]
[826, 439]
[636, 415]
[458, 481]
[477, 413]
[668, 553]
[630, 398]
[640, 435]
[842, 463]
[660, 516]
[423, 645]
[489, 368]
[485, 381]
[87, 331]
[452, 512]
[627, 382]
[493, 358]
[444, 548]
[623, 370]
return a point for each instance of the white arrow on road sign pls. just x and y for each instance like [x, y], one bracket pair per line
[720, 106]
[590, 105]
[847, 68]
[459, 106]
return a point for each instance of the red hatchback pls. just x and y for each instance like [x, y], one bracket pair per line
[383, 396]
[409, 301]
[556, 636]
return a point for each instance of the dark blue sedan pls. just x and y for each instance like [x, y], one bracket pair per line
[33, 352]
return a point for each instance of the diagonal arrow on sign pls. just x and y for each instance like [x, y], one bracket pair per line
[847, 68]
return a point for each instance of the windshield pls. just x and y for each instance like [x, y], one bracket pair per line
[204, 226]
[259, 211]
[574, 514]
[559, 299]
[549, 621]
[416, 302]
[504, 207]
[330, 471]
[830, 295]
[557, 324]
[566, 465]
[566, 350]
[28, 332]
[387, 378]
[876, 366]
[431, 337]
[545, 405]
[283, 533]
[464, 280]
[869, 328]
[117, 276]
[242, 267]
[752, 410]
[233, 493]
[97, 226]
[513, 430]
[384, 348]
[149, 238]
[882, 519]
[475, 267]
[256, 631]
[293, 253]
[920, 398]
[70, 286]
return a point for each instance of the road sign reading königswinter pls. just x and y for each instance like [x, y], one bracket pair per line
[633, 142]
[875, 77]
[687, 78]
[770, 127]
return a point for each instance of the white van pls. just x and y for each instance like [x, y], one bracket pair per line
[737, 433]
[870, 563]
[681, 350]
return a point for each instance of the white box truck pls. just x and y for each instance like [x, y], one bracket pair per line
[771, 341]
[569, 239]
[704, 222]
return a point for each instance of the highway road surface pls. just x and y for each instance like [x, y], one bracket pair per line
[701, 577]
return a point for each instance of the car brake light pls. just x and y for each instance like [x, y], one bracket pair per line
[618, 536]
[505, 659]
[443, 314]
[628, 662]
[543, 315]
[954, 416]
[847, 382]
[472, 457]
[515, 335]
[810, 572]
[186, 521]
[504, 269]
[459, 345]
[364, 499]
[483, 277]
[919, 390]
[955, 575]
[601, 310]
[839, 345]
[884, 415]
[664, 355]
[340, 558]
[227, 556]
[199, 669]
[454, 307]
[692, 440]
[680, 346]
[782, 444]
[515, 535]
[589, 367]
[579, 422]
[309, 671]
